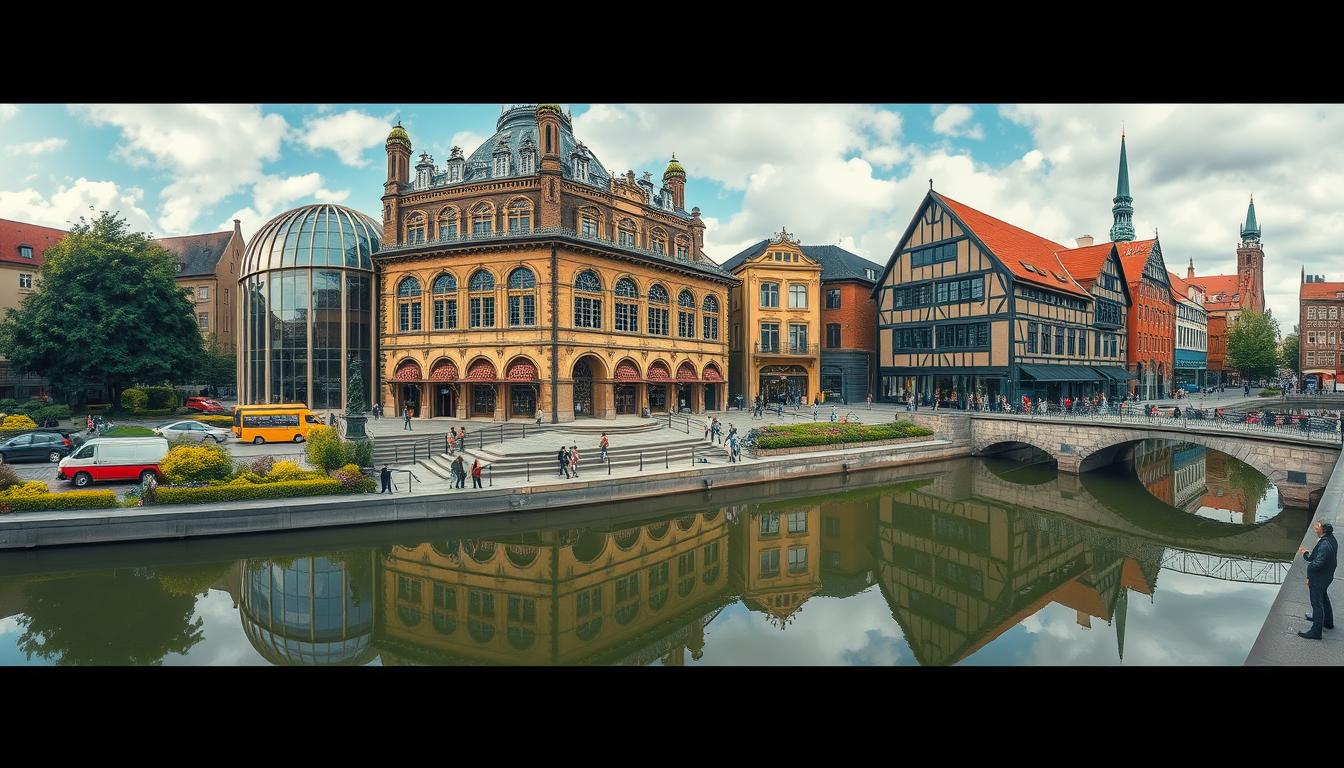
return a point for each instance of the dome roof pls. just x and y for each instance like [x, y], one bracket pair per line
[322, 235]
[674, 167]
[520, 123]
[306, 614]
[399, 135]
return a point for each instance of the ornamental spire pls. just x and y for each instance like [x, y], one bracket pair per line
[1122, 230]
[1250, 231]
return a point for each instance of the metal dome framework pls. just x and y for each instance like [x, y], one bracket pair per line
[307, 305]
[306, 614]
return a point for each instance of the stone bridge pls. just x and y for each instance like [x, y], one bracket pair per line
[1298, 467]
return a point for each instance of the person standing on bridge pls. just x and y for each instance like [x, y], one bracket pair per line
[1320, 572]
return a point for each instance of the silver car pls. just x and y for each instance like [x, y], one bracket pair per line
[192, 430]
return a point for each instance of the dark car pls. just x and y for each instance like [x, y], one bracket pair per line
[36, 446]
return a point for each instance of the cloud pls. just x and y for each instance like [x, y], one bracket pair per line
[950, 122]
[7, 111]
[35, 147]
[210, 151]
[274, 194]
[68, 203]
[348, 134]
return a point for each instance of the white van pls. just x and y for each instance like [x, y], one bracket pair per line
[113, 458]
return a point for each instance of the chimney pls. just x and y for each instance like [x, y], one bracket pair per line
[1084, 241]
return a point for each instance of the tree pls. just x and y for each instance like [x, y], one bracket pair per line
[218, 365]
[1289, 357]
[1252, 345]
[108, 310]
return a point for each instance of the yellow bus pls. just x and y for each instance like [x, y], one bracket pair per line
[273, 423]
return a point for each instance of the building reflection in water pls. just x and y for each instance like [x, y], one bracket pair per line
[959, 558]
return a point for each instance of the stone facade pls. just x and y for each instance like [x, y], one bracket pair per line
[1321, 332]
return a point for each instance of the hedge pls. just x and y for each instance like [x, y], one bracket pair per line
[1271, 392]
[287, 490]
[215, 421]
[795, 435]
[68, 500]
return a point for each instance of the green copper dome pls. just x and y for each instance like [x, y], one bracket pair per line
[550, 108]
[398, 135]
[674, 168]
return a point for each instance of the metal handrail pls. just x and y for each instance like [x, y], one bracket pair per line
[785, 349]
[1314, 428]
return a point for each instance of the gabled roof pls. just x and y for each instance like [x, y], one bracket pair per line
[1320, 291]
[1180, 287]
[1085, 263]
[199, 254]
[1133, 258]
[751, 250]
[1225, 287]
[1016, 247]
[16, 233]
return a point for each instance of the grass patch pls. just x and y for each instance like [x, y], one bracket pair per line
[128, 432]
[796, 435]
[1271, 392]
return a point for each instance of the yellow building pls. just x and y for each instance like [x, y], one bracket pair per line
[527, 277]
[776, 552]
[775, 315]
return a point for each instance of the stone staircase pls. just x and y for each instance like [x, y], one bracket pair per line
[541, 464]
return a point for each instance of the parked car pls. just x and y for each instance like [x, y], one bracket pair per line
[38, 445]
[113, 458]
[205, 405]
[192, 430]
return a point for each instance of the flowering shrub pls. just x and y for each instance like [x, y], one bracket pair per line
[349, 476]
[286, 470]
[29, 490]
[263, 465]
[196, 464]
[325, 451]
[67, 500]
[794, 435]
[17, 421]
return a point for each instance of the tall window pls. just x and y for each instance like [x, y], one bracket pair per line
[659, 243]
[625, 233]
[770, 562]
[203, 293]
[832, 335]
[769, 337]
[587, 308]
[711, 318]
[798, 338]
[683, 248]
[1031, 337]
[581, 169]
[797, 559]
[520, 216]
[522, 297]
[769, 522]
[203, 320]
[408, 305]
[587, 224]
[481, 286]
[415, 229]
[527, 163]
[445, 302]
[798, 522]
[686, 315]
[833, 298]
[25, 280]
[448, 224]
[482, 220]
[769, 294]
[797, 296]
[627, 306]
[501, 165]
[658, 312]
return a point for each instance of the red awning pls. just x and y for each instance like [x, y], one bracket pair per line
[481, 370]
[712, 373]
[626, 371]
[522, 370]
[445, 370]
[686, 373]
[658, 372]
[408, 371]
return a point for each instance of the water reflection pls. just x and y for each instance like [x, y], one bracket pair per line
[971, 560]
[1204, 482]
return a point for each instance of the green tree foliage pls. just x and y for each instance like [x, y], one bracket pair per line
[324, 449]
[1289, 358]
[1252, 345]
[107, 310]
[218, 366]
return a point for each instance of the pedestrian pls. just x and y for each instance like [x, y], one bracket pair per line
[563, 457]
[709, 427]
[462, 439]
[814, 410]
[539, 417]
[476, 473]
[375, 411]
[386, 477]
[1320, 572]
[732, 446]
[870, 401]
[406, 417]
[833, 414]
[574, 460]
[331, 419]
[602, 447]
[452, 440]
[460, 472]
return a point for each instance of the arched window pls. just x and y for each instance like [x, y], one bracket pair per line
[448, 224]
[527, 163]
[408, 305]
[522, 297]
[501, 166]
[482, 219]
[769, 295]
[659, 242]
[415, 229]
[797, 296]
[588, 223]
[625, 234]
[481, 303]
[520, 216]
[683, 247]
[627, 312]
[685, 315]
[658, 312]
[445, 302]
[711, 318]
[587, 309]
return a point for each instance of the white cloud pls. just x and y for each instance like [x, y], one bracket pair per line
[7, 111]
[68, 203]
[950, 122]
[209, 150]
[35, 147]
[348, 134]
[274, 194]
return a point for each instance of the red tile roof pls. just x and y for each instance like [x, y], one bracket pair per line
[1085, 263]
[16, 233]
[1221, 292]
[1133, 257]
[1180, 286]
[1014, 246]
[1318, 291]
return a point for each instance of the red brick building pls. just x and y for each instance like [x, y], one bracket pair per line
[1321, 332]
[848, 323]
[1227, 296]
[1152, 318]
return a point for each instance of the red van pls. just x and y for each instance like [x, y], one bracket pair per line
[113, 458]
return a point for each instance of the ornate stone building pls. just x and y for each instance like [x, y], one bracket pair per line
[1227, 296]
[525, 276]
[1320, 341]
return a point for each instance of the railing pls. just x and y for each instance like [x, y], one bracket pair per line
[671, 422]
[786, 349]
[411, 477]
[1325, 429]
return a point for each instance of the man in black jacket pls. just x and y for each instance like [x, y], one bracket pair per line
[1320, 572]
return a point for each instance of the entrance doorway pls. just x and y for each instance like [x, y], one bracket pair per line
[625, 399]
[410, 399]
[711, 397]
[657, 397]
[445, 401]
[522, 401]
[583, 389]
[683, 397]
[483, 400]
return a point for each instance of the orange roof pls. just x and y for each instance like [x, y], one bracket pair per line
[18, 233]
[1133, 257]
[1014, 247]
[1221, 292]
[1085, 263]
[1328, 291]
[1181, 287]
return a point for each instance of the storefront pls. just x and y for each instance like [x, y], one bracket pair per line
[1190, 367]
[782, 384]
[1056, 382]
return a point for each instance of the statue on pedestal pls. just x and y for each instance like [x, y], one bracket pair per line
[356, 412]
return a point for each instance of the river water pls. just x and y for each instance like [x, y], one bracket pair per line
[1171, 558]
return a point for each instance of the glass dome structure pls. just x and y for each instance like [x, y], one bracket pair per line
[311, 613]
[307, 297]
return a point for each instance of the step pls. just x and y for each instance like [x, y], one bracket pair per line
[585, 451]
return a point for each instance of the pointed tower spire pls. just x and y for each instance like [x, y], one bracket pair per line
[1250, 231]
[1121, 612]
[1122, 231]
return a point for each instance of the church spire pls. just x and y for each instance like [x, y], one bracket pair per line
[1250, 231]
[1122, 231]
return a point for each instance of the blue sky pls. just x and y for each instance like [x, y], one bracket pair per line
[842, 174]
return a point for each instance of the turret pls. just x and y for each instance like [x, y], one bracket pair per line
[398, 157]
[1190, 270]
[548, 137]
[1250, 231]
[674, 178]
[697, 235]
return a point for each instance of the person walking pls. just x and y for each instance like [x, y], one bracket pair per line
[1320, 572]
[540, 416]
[870, 401]
[834, 416]
[459, 472]
[452, 440]
[386, 477]
[574, 460]
[602, 448]
[814, 410]
[475, 474]
[563, 457]
[462, 440]
[406, 417]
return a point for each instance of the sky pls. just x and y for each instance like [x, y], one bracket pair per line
[848, 174]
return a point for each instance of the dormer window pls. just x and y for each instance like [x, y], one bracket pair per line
[501, 166]
[454, 172]
[870, 273]
[527, 164]
[26, 251]
[581, 169]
